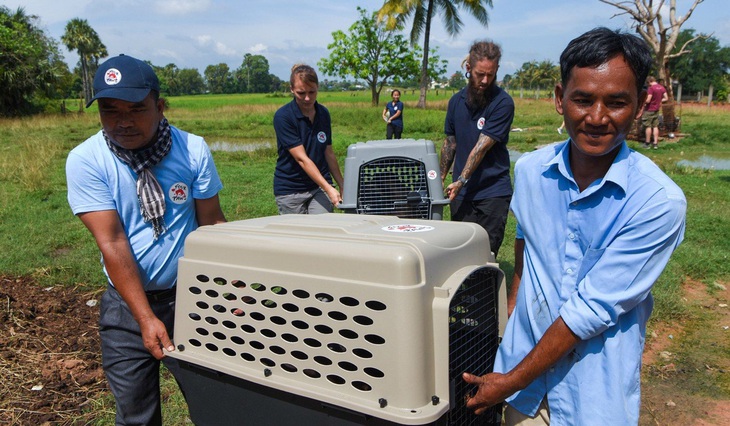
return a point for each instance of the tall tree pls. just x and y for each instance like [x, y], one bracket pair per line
[219, 78]
[705, 64]
[253, 74]
[29, 61]
[371, 53]
[80, 37]
[190, 82]
[661, 33]
[397, 12]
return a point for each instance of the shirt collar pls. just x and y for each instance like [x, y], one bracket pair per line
[618, 172]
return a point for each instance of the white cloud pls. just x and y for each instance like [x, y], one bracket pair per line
[181, 7]
[258, 48]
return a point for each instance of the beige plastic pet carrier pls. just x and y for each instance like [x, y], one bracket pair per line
[336, 319]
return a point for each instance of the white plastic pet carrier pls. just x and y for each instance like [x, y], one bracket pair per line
[393, 177]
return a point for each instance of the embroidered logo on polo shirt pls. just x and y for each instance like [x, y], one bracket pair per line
[321, 137]
[480, 123]
[178, 193]
[112, 76]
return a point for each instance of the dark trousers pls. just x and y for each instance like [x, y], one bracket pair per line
[132, 372]
[490, 213]
[392, 130]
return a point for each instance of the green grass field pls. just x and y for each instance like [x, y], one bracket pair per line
[39, 236]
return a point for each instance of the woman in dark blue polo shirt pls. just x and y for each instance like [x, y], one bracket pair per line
[306, 164]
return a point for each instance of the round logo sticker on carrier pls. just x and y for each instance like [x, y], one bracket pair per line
[480, 123]
[407, 228]
[178, 193]
[112, 76]
[432, 174]
[322, 137]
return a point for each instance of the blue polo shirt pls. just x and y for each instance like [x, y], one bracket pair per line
[392, 109]
[491, 177]
[294, 129]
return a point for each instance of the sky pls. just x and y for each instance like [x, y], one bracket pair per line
[198, 33]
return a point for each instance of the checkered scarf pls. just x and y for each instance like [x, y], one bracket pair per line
[149, 192]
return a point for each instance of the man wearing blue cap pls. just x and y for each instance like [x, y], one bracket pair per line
[140, 186]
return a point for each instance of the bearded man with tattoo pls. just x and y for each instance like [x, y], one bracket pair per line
[477, 127]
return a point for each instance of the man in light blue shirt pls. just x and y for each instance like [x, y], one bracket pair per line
[597, 223]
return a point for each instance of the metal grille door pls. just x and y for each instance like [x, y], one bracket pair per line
[473, 342]
[394, 186]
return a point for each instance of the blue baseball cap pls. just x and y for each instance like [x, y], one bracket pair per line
[125, 78]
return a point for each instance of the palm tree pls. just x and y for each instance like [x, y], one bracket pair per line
[79, 36]
[396, 12]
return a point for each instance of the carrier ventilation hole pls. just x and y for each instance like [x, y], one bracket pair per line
[349, 301]
[229, 297]
[211, 320]
[279, 290]
[337, 316]
[311, 373]
[323, 329]
[277, 320]
[248, 357]
[375, 305]
[362, 386]
[347, 366]
[336, 379]
[267, 362]
[220, 281]
[313, 311]
[202, 278]
[229, 352]
[324, 297]
[277, 350]
[362, 353]
[193, 316]
[202, 331]
[211, 293]
[288, 368]
[362, 320]
[300, 294]
[290, 307]
[195, 290]
[256, 345]
[374, 339]
[201, 304]
[336, 347]
[229, 324]
[218, 335]
[219, 308]
[211, 347]
[323, 360]
[258, 316]
[258, 287]
[195, 343]
[237, 340]
[374, 372]
[238, 284]
[348, 334]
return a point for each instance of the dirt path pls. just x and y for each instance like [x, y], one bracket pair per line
[51, 372]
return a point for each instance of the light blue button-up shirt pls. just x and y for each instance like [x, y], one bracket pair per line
[591, 258]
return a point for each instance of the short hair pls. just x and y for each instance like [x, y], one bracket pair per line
[395, 90]
[483, 49]
[305, 73]
[600, 45]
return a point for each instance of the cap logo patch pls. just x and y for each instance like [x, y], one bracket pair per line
[112, 76]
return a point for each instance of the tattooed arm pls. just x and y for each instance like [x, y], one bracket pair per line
[484, 144]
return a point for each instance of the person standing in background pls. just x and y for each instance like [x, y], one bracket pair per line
[393, 116]
[656, 95]
[478, 123]
[306, 164]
